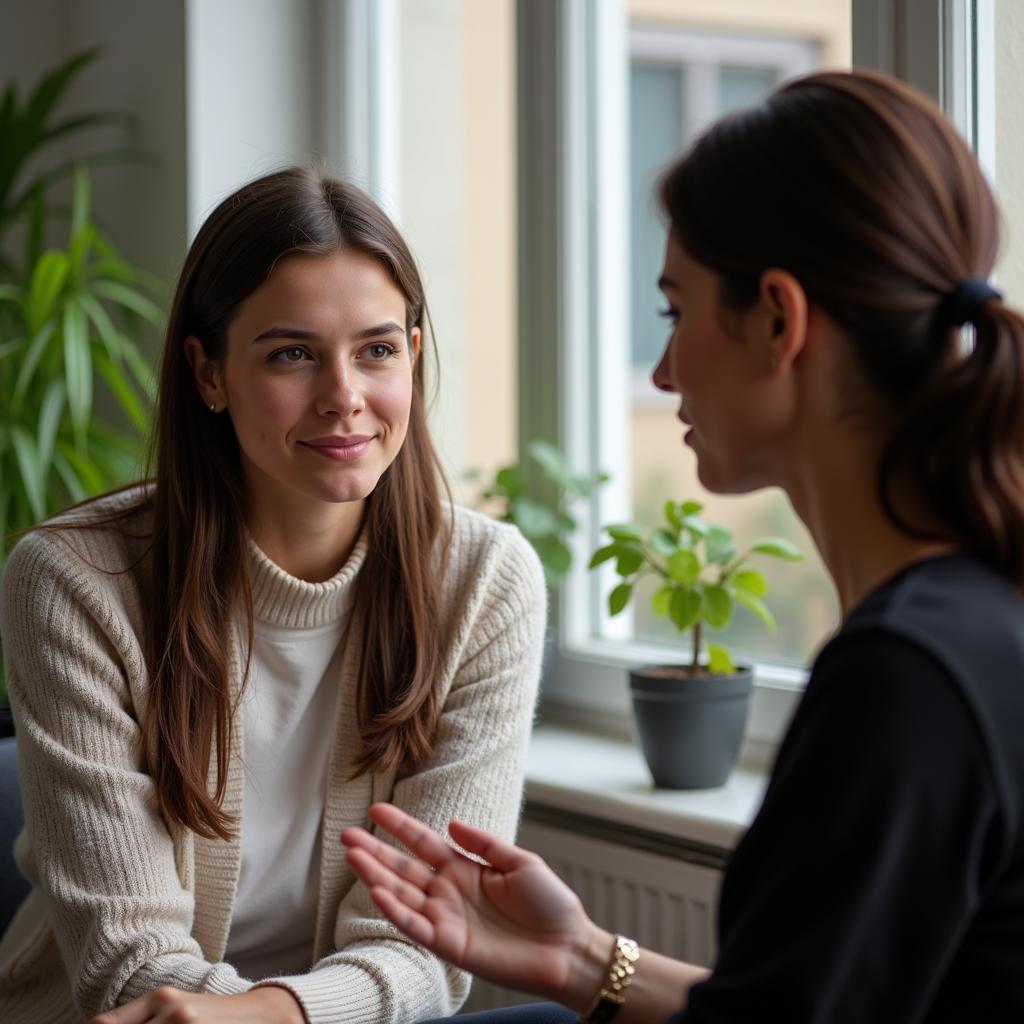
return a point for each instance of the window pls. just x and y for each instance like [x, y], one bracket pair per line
[631, 85]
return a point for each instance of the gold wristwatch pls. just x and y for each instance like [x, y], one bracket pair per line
[620, 974]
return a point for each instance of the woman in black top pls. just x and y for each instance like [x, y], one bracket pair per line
[825, 250]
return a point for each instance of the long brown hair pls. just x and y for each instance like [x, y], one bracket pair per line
[197, 559]
[857, 185]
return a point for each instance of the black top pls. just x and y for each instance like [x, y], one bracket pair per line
[882, 880]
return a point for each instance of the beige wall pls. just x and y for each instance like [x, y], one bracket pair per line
[826, 22]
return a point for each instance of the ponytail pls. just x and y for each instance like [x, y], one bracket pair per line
[959, 444]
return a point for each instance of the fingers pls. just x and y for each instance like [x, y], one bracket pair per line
[418, 927]
[138, 1011]
[422, 841]
[399, 863]
[499, 854]
[377, 875]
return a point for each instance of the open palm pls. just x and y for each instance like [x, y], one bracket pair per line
[510, 920]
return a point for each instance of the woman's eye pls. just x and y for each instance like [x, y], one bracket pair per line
[291, 354]
[670, 313]
[380, 350]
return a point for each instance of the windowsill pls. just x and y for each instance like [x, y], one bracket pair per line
[586, 774]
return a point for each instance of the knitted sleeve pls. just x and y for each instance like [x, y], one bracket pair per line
[475, 774]
[104, 866]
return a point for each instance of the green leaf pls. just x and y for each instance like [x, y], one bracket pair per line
[105, 328]
[48, 277]
[673, 516]
[696, 526]
[50, 412]
[625, 531]
[140, 367]
[69, 477]
[629, 562]
[685, 607]
[555, 556]
[601, 555]
[33, 476]
[691, 508]
[661, 601]
[121, 388]
[717, 606]
[85, 469]
[36, 348]
[551, 461]
[719, 660]
[663, 541]
[778, 547]
[52, 87]
[130, 299]
[757, 606]
[750, 581]
[683, 566]
[533, 518]
[510, 480]
[11, 293]
[619, 598]
[77, 368]
[719, 546]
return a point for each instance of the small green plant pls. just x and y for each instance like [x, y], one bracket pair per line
[702, 575]
[540, 503]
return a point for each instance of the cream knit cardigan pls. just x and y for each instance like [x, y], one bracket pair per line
[121, 902]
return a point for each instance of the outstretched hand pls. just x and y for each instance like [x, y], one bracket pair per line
[510, 920]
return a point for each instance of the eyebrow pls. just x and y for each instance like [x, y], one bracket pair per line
[297, 334]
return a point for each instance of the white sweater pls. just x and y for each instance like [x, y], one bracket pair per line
[121, 902]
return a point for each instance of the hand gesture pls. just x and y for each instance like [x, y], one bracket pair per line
[510, 920]
[269, 1004]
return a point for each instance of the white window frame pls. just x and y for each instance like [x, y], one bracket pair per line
[573, 295]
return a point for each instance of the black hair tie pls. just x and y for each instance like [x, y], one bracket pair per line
[962, 304]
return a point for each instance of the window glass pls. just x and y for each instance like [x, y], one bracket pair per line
[684, 72]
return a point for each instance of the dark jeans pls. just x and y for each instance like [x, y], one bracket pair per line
[532, 1013]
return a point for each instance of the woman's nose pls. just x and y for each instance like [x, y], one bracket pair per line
[662, 375]
[340, 394]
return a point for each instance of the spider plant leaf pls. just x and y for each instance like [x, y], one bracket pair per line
[130, 299]
[112, 340]
[140, 367]
[75, 487]
[35, 225]
[87, 472]
[48, 277]
[121, 388]
[78, 368]
[50, 412]
[52, 86]
[33, 478]
[80, 200]
[36, 348]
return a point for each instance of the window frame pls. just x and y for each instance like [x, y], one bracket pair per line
[572, 65]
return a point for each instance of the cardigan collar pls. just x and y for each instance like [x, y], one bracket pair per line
[284, 600]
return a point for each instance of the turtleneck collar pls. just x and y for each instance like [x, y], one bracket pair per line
[284, 600]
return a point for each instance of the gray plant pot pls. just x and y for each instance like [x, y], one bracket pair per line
[690, 727]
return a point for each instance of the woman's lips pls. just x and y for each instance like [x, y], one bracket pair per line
[339, 449]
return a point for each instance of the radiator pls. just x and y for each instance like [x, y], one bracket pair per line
[660, 900]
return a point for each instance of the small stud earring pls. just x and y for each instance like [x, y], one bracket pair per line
[213, 407]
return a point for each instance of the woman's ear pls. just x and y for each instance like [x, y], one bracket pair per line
[207, 373]
[784, 304]
[415, 344]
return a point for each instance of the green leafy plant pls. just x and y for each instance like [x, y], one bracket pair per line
[538, 498]
[702, 575]
[28, 131]
[71, 319]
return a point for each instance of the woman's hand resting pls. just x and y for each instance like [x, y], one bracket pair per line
[268, 1004]
[510, 920]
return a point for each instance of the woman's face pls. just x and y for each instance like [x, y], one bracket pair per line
[317, 378]
[723, 379]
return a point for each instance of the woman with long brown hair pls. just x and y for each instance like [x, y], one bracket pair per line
[825, 250]
[214, 672]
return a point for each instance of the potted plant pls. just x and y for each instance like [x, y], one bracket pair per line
[537, 495]
[691, 717]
